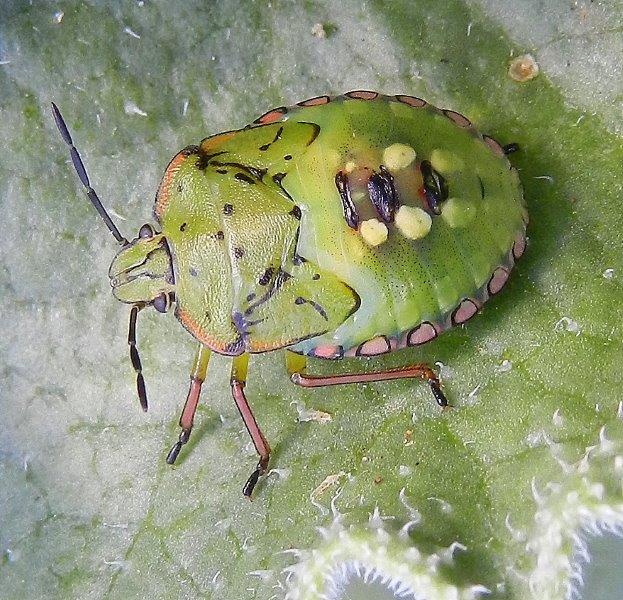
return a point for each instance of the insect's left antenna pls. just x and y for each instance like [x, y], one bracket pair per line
[82, 175]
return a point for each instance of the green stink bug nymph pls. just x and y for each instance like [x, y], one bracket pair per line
[344, 226]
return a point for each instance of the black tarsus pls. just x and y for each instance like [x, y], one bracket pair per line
[175, 450]
[249, 486]
[82, 175]
[134, 357]
[440, 397]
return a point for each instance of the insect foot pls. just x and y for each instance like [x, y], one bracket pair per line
[260, 470]
[175, 450]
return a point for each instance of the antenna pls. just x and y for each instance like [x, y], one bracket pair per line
[82, 174]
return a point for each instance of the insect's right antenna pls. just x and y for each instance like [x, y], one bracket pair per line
[84, 178]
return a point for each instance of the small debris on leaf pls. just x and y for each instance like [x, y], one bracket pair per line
[523, 68]
[329, 481]
[319, 31]
[567, 324]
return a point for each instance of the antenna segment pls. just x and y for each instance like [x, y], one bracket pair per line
[82, 175]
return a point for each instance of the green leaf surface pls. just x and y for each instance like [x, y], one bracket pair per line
[493, 497]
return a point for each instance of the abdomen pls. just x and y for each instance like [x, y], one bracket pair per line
[352, 184]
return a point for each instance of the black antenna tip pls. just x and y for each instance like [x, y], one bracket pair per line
[142, 392]
[60, 123]
[82, 175]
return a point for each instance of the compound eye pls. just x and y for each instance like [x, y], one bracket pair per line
[162, 302]
[146, 231]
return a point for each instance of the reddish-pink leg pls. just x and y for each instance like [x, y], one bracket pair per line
[296, 367]
[197, 377]
[238, 379]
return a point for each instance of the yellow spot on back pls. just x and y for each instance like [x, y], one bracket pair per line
[398, 156]
[458, 212]
[413, 222]
[444, 161]
[373, 232]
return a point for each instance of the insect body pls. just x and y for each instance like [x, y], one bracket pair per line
[345, 226]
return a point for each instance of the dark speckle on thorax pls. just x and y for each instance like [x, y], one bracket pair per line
[244, 177]
[267, 276]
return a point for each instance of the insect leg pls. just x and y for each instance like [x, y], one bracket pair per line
[238, 379]
[197, 377]
[134, 357]
[296, 365]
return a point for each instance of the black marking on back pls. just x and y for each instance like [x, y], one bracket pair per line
[245, 178]
[281, 277]
[316, 131]
[350, 210]
[278, 177]
[435, 187]
[204, 159]
[321, 311]
[266, 276]
[190, 150]
[482, 187]
[265, 147]
[510, 148]
[383, 194]
[252, 171]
